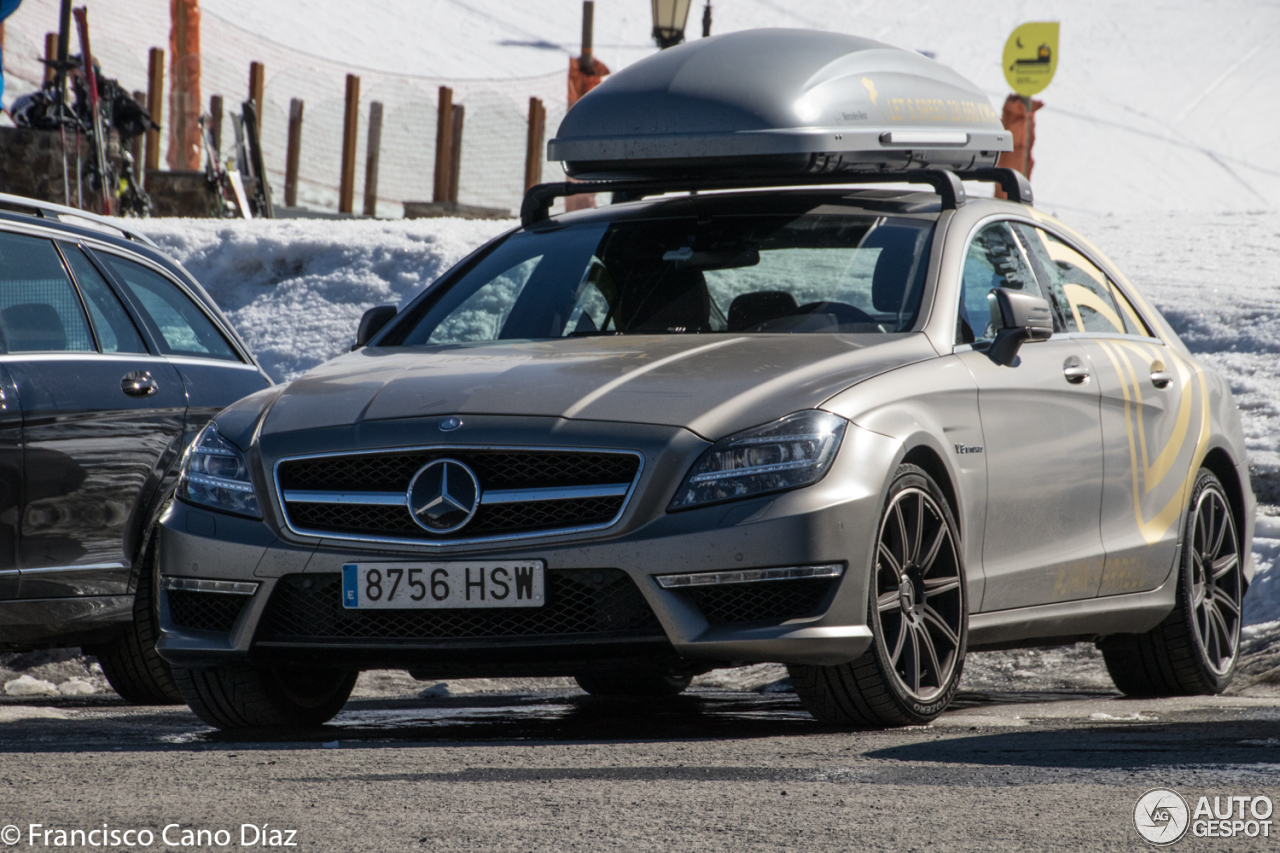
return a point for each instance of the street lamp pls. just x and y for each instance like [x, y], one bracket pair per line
[669, 19]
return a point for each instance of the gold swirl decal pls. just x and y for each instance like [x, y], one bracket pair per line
[1148, 475]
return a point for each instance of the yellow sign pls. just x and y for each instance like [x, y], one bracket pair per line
[1031, 57]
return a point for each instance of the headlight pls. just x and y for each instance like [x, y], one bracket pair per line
[790, 452]
[214, 474]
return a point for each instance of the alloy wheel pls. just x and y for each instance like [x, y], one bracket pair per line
[919, 594]
[1216, 581]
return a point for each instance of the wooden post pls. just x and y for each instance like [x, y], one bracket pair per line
[215, 125]
[135, 145]
[185, 102]
[371, 159]
[50, 55]
[533, 145]
[294, 154]
[155, 105]
[257, 79]
[586, 62]
[455, 150]
[350, 126]
[444, 138]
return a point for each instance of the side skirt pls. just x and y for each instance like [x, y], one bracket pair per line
[1134, 613]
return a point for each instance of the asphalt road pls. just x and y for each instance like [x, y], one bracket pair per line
[711, 770]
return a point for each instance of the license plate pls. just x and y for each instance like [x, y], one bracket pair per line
[432, 586]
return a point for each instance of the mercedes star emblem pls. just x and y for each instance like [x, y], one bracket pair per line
[443, 496]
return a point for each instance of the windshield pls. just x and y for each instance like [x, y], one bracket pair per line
[847, 274]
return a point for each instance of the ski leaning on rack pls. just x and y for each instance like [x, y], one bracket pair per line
[253, 145]
[225, 203]
[100, 165]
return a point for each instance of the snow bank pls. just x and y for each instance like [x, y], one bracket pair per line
[295, 289]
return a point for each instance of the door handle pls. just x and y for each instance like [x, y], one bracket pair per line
[1160, 377]
[1075, 371]
[139, 383]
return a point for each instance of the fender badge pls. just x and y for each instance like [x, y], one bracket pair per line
[450, 424]
[966, 448]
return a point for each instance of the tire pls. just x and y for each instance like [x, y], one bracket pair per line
[918, 614]
[1195, 649]
[130, 662]
[248, 696]
[655, 681]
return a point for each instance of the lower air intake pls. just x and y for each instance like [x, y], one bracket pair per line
[603, 603]
[204, 611]
[724, 604]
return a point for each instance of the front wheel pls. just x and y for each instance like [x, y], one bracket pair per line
[1195, 649]
[918, 614]
[248, 696]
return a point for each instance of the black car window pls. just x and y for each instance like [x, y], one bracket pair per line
[116, 332]
[39, 308]
[993, 260]
[181, 328]
[729, 274]
[1082, 291]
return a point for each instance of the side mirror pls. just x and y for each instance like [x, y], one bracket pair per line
[1018, 318]
[373, 321]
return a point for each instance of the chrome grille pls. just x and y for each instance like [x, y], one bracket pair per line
[524, 492]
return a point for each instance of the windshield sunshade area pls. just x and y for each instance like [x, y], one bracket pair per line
[844, 274]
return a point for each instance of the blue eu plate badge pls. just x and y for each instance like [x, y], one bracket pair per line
[350, 586]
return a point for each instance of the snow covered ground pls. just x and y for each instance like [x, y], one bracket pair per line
[1157, 104]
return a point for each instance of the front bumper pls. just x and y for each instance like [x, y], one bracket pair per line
[831, 522]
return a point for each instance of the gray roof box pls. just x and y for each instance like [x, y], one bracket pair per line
[778, 102]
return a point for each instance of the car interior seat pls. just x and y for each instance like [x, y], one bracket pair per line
[33, 327]
[676, 301]
[752, 309]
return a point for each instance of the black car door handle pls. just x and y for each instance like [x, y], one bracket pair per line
[139, 383]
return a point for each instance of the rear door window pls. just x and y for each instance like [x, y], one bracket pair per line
[1083, 292]
[40, 310]
[179, 326]
[116, 332]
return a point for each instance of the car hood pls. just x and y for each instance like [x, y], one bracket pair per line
[712, 385]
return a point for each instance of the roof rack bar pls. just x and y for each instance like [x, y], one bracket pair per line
[49, 210]
[1013, 182]
[538, 200]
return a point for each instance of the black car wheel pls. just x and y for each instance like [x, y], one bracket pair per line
[1194, 650]
[249, 696]
[130, 662]
[918, 615]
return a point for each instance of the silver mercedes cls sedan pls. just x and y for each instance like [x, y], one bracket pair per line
[861, 432]
[838, 429]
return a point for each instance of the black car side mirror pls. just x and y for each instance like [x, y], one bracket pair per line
[373, 321]
[1018, 318]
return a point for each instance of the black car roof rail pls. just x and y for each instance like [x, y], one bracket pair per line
[538, 200]
[49, 210]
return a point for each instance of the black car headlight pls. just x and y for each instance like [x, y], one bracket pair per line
[789, 453]
[215, 475]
